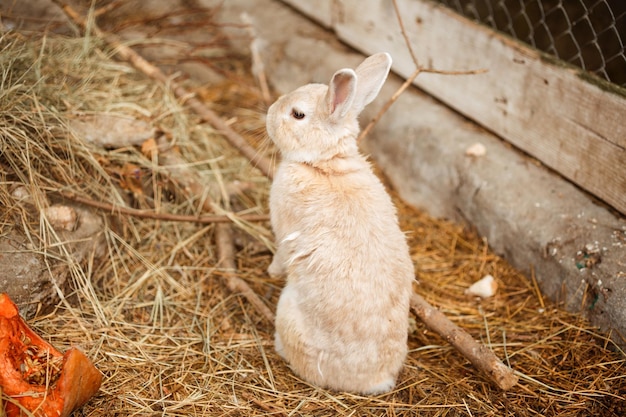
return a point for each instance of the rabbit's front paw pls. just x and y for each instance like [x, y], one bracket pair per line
[276, 268]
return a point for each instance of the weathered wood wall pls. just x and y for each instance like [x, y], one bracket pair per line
[547, 109]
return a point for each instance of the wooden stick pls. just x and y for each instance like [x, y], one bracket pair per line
[405, 36]
[226, 255]
[118, 210]
[388, 104]
[409, 81]
[192, 185]
[419, 67]
[478, 354]
[127, 54]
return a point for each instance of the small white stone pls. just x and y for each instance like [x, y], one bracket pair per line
[477, 149]
[485, 287]
[21, 193]
[61, 217]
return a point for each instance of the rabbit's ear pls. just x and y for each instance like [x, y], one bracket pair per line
[341, 92]
[371, 76]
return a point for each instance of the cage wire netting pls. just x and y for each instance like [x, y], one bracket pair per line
[589, 34]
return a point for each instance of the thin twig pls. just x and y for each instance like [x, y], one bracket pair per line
[226, 254]
[404, 35]
[107, 8]
[127, 54]
[388, 104]
[418, 70]
[450, 72]
[145, 214]
[418, 67]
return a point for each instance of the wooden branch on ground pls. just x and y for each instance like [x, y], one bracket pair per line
[193, 186]
[117, 210]
[226, 255]
[478, 354]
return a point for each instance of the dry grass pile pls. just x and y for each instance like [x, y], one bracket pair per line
[153, 311]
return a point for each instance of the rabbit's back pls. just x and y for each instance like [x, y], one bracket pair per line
[349, 275]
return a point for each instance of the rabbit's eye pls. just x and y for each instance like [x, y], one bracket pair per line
[297, 114]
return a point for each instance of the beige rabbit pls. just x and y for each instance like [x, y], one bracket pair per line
[342, 318]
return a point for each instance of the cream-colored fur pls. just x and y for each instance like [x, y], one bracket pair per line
[342, 318]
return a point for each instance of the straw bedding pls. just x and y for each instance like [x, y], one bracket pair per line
[150, 306]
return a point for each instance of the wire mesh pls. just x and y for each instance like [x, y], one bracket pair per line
[587, 33]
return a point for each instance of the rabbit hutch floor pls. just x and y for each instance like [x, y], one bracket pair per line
[150, 299]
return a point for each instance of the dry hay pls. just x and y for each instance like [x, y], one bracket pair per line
[154, 314]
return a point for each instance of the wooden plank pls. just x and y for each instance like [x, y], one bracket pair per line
[320, 10]
[547, 109]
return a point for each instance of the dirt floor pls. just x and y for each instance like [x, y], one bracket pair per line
[151, 300]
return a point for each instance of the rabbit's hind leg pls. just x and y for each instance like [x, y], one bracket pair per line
[290, 332]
